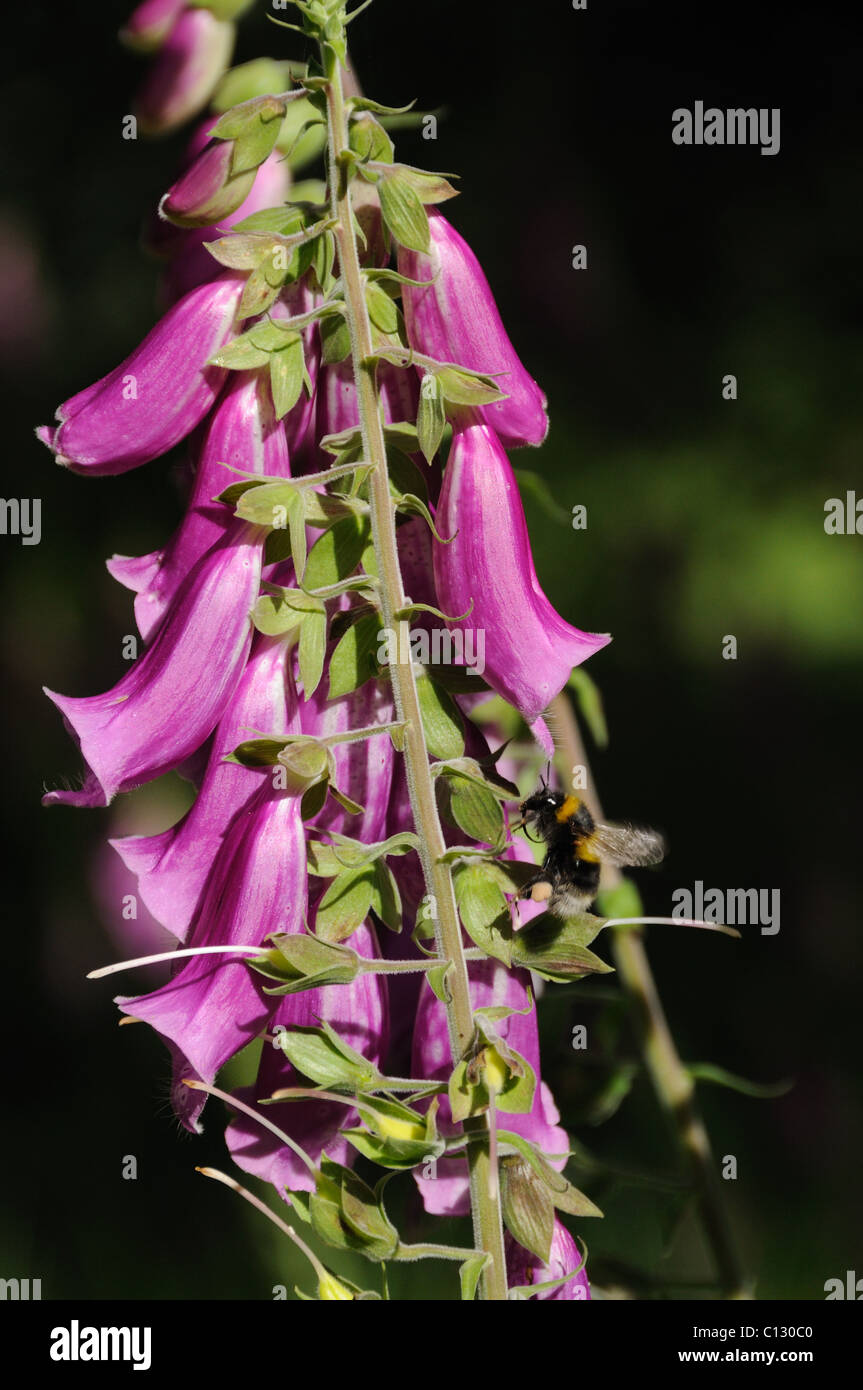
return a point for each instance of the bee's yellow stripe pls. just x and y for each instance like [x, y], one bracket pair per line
[568, 809]
[584, 850]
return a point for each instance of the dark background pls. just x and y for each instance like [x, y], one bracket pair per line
[705, 518]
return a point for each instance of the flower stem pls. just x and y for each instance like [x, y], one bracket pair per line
[674, 1086]
[485, 1203]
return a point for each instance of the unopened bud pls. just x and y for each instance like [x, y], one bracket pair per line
[206, 192]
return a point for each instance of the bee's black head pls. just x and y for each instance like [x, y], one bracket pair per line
[540, 810]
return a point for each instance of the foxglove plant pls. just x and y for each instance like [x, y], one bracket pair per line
[346, 872]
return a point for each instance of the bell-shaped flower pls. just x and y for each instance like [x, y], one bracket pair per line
[447, 1193]
[455, 319]
[359, 1013]
[207, 191]
[243, 432]
[487, 572]
[150, 23]
[159, 394]
[215, 1004]
[184, 73]
[174, 866]
[337, 407]
[171, 699]
[364, 768]
[523, 1267]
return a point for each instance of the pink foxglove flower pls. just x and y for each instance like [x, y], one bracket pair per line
[447, 1193]
[184, 73]
[171, 700]
[359, 1011]
[524, 1268]
[488, 568]
[455, 319]
[215, 1005]
[150, 23]
[173, 867]
[157, 396]
[242, 431]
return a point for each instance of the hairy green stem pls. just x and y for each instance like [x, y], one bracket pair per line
[485, 1200]
[674, 1086]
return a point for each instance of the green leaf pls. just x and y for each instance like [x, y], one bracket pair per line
[554, 950]
[267, 505]
[353, 661]
[469, 1275]
[325, 1058]
[527, 1207]
[368, 139]
[257, 752]
[312, 649]
[345, 905]
[403, 212]
[240, 355]
[462, 387]
[335, 339]
[718, 1076]
[484, 911]
[442, 721]
[566, 1197]
[476, 811]
[287, 374]
[382, 310]
[388, 903]
[336, 553]
[431, 416]
[261, 290]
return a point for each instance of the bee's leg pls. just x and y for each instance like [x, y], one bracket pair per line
[537, 888]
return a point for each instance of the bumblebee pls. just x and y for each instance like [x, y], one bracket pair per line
[568, 881]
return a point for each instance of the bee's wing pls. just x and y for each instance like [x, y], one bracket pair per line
[627, 844]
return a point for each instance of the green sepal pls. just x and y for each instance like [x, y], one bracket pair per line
[335, 340]
[382, 310]
[470, 770]
[470, 1274]
[558, 950]
[346, 903]
[388, 903]
[325, 1058]
[564, 1194]
[336, 554]
[253, 126]
[428, 187]
[396, 1136]
[442, 721]
[256, 752]
[403, 212]
[475, 810]
[431, 416]
[326, 861]
[366, 104]
[356, 1210]
[353, 660]
[287, 375]
[496, 1073]
[299, 961]
[534, 486]
[368, 139]
[527, 1208]
[484, 911]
